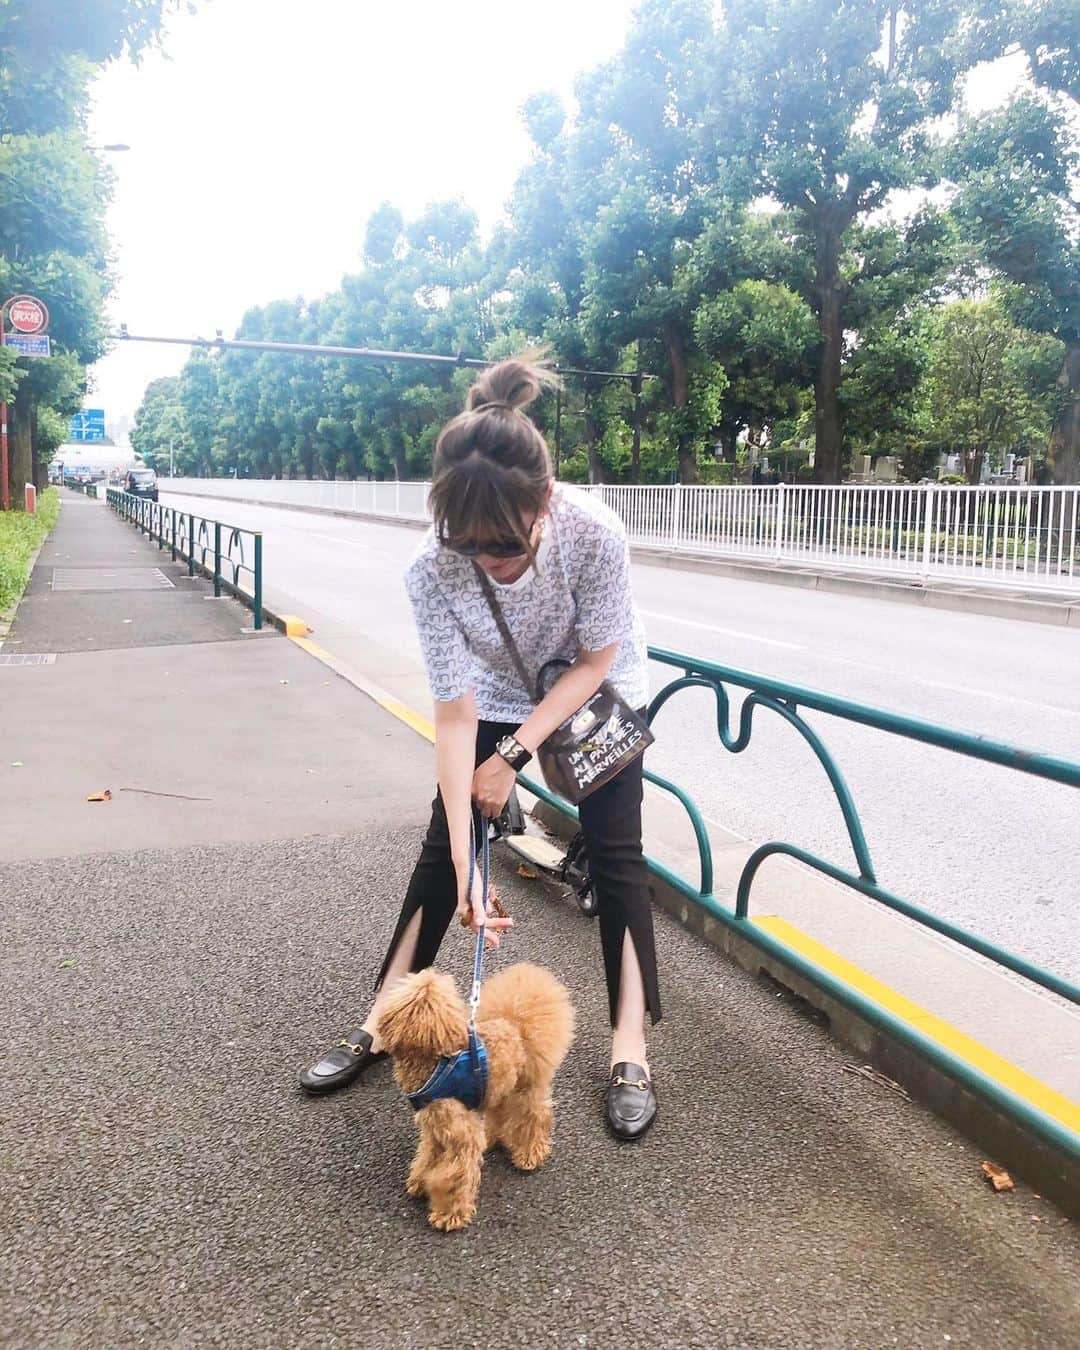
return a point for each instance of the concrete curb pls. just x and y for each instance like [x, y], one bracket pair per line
[1064, 613]
[1053, 1175]
[1060, 613]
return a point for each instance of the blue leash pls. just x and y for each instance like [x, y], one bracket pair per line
[464, 1076]
[478, 959]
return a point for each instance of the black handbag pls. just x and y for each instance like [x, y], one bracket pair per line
[593, 744]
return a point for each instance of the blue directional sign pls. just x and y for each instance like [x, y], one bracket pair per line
[28, 345]
[88, 425]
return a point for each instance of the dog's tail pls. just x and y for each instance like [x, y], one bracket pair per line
[539, 1006]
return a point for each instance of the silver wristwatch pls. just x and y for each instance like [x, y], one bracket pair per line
[513, 752]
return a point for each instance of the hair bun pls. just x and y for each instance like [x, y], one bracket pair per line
[511, 385]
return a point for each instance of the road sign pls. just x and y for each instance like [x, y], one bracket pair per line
[27, 314]
[88, 425]
[27, 345]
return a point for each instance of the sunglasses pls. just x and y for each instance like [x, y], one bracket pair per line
[490, 548]
[510, 547]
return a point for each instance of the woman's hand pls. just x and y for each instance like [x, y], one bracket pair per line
[491, 785]
[470, 908]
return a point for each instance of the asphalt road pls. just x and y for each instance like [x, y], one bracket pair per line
[992, 849]
[165, 1182]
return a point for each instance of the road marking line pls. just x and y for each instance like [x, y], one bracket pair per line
[328, 538]
[1036, 1093]
[964, 689]
[725, 632]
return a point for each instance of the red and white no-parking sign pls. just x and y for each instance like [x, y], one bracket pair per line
[27, 314]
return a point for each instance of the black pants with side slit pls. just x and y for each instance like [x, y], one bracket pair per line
[611, 824]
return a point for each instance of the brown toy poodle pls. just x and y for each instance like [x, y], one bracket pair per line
[526, 1022]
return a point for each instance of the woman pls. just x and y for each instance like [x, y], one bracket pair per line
[558, 563]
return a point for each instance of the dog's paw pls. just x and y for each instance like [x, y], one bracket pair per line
[415, 1186]
[530, 1158]
[456, 1218]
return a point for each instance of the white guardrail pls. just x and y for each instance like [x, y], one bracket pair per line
[1023, 536]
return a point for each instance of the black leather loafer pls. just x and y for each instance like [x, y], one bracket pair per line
[342, 1065]
[631, 1101]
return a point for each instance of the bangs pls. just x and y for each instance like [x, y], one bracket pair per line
[474, 501]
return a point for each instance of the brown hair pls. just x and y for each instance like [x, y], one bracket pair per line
[492, 467]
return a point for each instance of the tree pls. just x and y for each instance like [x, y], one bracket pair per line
[160, 432]
[900, 274]
[1015, 171]
[52, 238]
[1047, 32]
[52, 245]
[834, 104]
[989, 384]
[640, 113]
[49, 46]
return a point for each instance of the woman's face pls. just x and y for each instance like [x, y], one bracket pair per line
[504, 559]
[502, 564]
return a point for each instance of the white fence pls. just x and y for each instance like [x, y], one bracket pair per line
[1023, 536]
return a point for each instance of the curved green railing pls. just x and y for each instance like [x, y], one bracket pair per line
[216, 550]
[788, 701]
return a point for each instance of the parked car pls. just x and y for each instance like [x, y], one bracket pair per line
[141, 483]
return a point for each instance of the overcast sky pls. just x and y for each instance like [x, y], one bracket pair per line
[270, 130]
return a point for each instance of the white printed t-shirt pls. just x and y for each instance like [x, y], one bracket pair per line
[578, 599]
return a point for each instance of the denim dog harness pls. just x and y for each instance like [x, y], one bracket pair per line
[464, 1076]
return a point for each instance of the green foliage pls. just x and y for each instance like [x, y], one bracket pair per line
[989, 384]
[1015, 172]
[10, 374]
[54, 193]
[20, 538]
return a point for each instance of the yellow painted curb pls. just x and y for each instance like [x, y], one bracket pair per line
[423, 726]
[1032, 1090]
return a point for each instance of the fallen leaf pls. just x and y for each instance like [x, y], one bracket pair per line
[524, 870]
[105, 796]
[997, 1177]
[66, 965]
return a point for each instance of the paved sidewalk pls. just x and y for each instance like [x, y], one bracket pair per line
[169, 968]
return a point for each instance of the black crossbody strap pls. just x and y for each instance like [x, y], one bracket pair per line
[504, 630]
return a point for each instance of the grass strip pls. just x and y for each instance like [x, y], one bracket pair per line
[20, 538]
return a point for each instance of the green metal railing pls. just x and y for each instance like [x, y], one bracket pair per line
[223, 553]
[788, 702]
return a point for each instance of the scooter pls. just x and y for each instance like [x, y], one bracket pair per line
[570, 867]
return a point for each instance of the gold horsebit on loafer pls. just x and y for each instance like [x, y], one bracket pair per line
[642, 1084]
[356, 1049]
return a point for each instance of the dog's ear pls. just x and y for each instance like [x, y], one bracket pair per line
[423, 1014]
